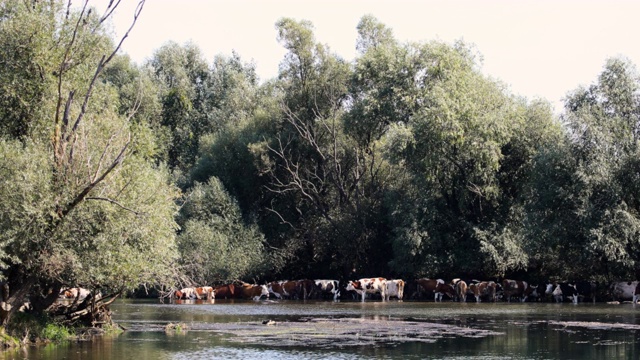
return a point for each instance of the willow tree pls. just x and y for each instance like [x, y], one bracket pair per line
[81, 205]
[586, 210]
[463, 139]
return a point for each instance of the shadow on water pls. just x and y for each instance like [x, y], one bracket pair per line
[348, 330]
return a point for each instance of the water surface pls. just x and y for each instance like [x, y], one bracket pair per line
[237, 329]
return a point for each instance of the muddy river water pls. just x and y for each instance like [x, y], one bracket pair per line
[352, 330]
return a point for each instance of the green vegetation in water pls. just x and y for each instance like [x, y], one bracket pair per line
[178, 328]
[7, 340]
[31, 328]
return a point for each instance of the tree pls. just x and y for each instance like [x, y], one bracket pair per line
[80, 206]
[214, 242]
[596, 216]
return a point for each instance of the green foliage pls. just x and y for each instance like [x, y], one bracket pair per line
[55, 333]
[38, 327]
[214, 243]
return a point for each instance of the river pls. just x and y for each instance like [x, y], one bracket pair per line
[352, 330]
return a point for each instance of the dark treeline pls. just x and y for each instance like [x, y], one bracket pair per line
[405, 162]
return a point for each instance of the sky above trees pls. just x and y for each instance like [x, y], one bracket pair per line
[539, 48]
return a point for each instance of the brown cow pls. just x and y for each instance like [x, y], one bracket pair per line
[306, 288]
[437, 287]
[228, 291]
[483, 289]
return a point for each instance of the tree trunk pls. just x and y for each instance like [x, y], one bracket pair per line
[14, 293]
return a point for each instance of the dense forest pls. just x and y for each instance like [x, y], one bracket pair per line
[406, 161]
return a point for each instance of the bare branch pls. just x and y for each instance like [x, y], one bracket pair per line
[113, 202]
[81, 196]
[104, 61]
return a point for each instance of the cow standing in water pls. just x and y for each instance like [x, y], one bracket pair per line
[306, 288]
[518, 288]
[484, 290]
[437, 287]
[283, 289]
[624, 290]
[395, 288]
[254, 292]
[461, 288]
[328, 288]
[228, 291]
[369, 286]
[205, 292]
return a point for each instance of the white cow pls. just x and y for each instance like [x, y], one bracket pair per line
[369, 286]
[395, 288]
[624, 290]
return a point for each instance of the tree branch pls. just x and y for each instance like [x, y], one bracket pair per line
[115, 203]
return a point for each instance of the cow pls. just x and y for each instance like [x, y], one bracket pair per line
[623, 290]
[306, 288]
[275, 289]
[518, 288]
[74, 293]
[564, 290]
[188, 293]
[328, 288]
[205, 291]
[254, 292]
[586, 290]
[535, 292]
[228, 291]
[369, 286]
[283, 289]
[461, 288]
[483, 290]
[395, 288]
[437, 287]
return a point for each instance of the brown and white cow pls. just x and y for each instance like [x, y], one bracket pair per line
[461, 289]
[205, 292]
[395, 288]
[437, 287]
[517, 288]
[254, 292]
[369, 286]
[483, 290]
[275, 289]
[74, 293]
[188, 293]
[328, 288]
[283, 289]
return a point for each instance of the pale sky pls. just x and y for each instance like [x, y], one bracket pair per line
[539, 48]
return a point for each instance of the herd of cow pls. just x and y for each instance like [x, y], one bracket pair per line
[436, 289]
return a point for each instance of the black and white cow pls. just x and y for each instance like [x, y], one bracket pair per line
[328, 288]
